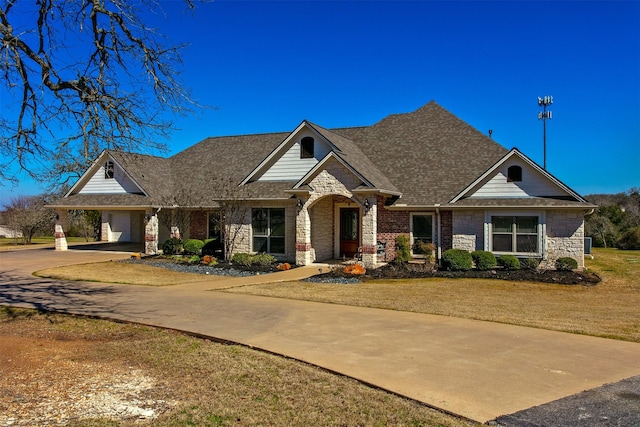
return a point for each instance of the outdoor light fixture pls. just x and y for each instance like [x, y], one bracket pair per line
[367, 205]
[299, 204]
[544, 115]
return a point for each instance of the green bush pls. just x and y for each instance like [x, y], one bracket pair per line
[509, 262]
[194, 259]
[566, 264]
[529, 263]
[484, 260]
[263, 259]
[403, 249]
[241, 259]
[457, 260]
[630, 240]
[193, 246]
[172, 246]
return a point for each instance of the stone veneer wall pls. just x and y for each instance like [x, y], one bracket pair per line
[468, 230]
[322, 228]
[565, 237]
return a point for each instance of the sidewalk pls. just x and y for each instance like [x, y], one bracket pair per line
[479, 370]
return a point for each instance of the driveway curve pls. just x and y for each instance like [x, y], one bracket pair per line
[475, 369]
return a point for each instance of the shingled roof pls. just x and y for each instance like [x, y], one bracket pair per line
[428, 157]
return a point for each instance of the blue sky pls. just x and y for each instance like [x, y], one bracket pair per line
[266, 66]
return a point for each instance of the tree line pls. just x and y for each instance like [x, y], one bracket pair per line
[615, 223]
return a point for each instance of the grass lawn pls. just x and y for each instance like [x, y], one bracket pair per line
[609, 309]
[7, 243]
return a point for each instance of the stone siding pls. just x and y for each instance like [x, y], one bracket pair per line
[468, 230]
[565, 237]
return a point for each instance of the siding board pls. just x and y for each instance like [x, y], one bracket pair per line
[119, 184]
[533, 184]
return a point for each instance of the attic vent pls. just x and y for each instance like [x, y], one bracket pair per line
[306, 148]
[108, 170]
[514, 174]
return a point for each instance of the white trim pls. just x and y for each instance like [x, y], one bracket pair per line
[320, 166]
[499, 163]
[541, 230]
[433, 229]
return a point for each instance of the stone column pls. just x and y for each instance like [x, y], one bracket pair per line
[61, 225]
[370, 234]
[303, 237]
[151, 233]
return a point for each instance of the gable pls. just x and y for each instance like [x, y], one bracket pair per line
[292, 165]
[97, 181]
[516, 176]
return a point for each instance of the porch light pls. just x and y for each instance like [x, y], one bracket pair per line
[367, 205]
[299, 204]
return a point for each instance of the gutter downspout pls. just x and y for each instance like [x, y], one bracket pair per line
[439, 227]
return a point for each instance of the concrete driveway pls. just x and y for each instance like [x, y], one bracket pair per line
[478, 370]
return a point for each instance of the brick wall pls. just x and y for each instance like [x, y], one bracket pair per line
[199, 225]
[446, 222]
[391, 224]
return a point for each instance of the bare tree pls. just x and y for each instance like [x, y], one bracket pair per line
[28, 217]
[86, 75]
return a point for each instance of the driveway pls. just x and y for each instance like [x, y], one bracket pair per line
[478, 370]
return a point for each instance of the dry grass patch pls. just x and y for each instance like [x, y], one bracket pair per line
[121, 272]
[609, 309]
[187, 381]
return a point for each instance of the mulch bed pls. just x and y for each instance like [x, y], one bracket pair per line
[411, 271]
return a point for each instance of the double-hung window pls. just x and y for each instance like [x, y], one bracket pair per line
[268, 227]
[514, 234]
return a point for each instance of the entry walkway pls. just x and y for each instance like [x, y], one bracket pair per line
[479, 370]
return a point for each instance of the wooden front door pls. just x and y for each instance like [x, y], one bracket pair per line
[349, 231]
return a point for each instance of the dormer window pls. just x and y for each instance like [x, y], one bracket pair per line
[108, 170]
[306, 148]
[514, 174]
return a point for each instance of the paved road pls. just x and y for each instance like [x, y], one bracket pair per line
[478, 370]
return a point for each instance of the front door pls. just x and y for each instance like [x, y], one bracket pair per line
[349, 231]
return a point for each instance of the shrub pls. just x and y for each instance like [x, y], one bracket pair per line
[283, 266]
[209, 260]
[403, 250]
[566, 264]
[509, 262]
[194, 259]
[241, 259]
[355, 269]
[630, 240]
[172, 246]
[424, 248]
[457, 260]
[212, 247]
[263, 259]
[484, 260]
[193, 246]
[529, 263]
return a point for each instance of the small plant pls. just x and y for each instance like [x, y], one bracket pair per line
[457, 260]
[283, 266]
[566, 264]
[355, 269]
[509, 262]
[194, 259]
[172, 246]
[241, 259]
[403, 249]
[484, 260]
[263, 259]
[529, 264]
[209, 260]
[193, 246]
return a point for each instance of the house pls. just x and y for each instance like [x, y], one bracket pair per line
[315, 194]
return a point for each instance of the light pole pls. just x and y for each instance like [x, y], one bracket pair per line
[544, 115]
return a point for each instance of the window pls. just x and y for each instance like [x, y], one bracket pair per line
[306, 148]
[518, 234]
[268, 230]
[108, 170]
[421, 233]
[514, 174]
[215, 226]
